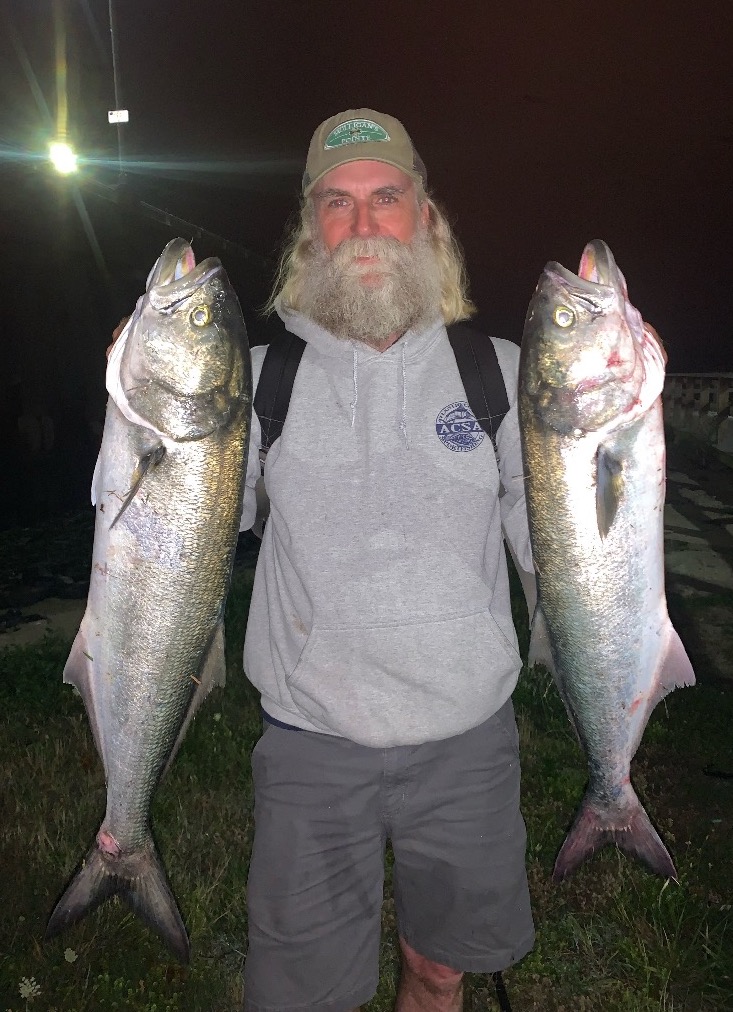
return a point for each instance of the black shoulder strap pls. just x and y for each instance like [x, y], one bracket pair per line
[481, 376]
[275, 384]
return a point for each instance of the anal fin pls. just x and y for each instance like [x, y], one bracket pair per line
[79, 672]
[540, 650]
[213, 672]
[675, 672]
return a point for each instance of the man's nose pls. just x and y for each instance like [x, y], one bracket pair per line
[364, 223]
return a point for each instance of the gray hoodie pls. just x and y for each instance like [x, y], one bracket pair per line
[380, 610]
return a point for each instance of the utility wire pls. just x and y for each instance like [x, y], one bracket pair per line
[116, 80]
[181, 226]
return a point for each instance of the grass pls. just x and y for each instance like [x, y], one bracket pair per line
[613, 938]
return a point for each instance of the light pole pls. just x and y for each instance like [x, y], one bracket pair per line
[116, 81]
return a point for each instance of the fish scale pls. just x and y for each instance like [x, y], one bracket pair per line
[138, 596]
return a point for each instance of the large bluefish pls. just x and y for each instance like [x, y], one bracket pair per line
[168, 490]
[590, 379]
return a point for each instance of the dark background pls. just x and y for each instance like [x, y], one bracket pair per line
[543, 125]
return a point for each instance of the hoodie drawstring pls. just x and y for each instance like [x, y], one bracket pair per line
[403, 413]
[356, 395]
[403, 419]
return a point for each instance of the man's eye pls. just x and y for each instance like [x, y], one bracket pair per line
[387, 198]
[337, 202]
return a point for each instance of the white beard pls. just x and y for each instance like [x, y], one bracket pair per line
[403, 290]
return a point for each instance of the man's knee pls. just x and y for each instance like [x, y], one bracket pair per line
[434, 976]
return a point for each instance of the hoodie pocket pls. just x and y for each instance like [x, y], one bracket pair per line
[403, 684]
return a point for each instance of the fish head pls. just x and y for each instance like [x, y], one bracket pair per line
[583, 346]
[182, 367]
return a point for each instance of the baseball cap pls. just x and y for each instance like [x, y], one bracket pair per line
[361, 134]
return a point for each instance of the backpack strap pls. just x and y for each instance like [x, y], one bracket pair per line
[481, 376]
[275, 385]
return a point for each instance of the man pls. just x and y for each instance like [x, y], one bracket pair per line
[380, 632]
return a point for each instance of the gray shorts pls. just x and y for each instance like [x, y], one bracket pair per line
[324, 808]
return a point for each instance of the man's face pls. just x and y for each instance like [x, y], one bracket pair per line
[364, 200]
[372, 273]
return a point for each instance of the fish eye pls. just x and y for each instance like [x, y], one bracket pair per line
[563, 316]
[200, 316]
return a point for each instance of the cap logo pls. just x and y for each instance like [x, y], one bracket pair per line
[355, 131]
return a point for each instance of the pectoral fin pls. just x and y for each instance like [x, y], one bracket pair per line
[609, 489]
[148, 462]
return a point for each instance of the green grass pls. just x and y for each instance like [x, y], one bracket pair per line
[613, 938]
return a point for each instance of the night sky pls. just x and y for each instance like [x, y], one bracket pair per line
[542, 125]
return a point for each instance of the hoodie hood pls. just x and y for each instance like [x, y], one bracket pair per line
[415, 343]
[410, 347]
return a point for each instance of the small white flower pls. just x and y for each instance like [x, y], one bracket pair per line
[217, 716]
[29, 988]
[70, 956]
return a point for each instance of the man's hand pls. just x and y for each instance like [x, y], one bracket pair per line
[116, 332]
[655, 335]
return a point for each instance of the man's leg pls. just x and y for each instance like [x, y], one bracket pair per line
[426, 986]
[458, 837]
[314, 894]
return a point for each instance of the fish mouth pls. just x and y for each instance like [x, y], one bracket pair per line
[598, 279]
[597, 265]
[592, 295]
[176, 275]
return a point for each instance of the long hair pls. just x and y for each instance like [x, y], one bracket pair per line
[455, 304]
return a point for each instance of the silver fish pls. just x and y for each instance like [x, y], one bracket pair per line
[168, 490]
[590, 379]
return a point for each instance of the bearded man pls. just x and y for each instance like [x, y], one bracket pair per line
[380, 633]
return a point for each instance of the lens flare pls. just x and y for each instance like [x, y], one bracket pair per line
[63, 158]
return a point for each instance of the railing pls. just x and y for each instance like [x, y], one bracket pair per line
[702, 404]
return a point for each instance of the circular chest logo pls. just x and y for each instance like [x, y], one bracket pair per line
[457, 427]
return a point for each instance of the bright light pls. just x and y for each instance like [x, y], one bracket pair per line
[62, 158]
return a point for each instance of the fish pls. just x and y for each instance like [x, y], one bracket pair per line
[167, 491]
[591, 375]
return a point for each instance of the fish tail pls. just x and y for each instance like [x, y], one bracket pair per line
[631, 831]
[138, 878]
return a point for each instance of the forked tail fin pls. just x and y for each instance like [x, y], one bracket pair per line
[632, 833]
[139, 878]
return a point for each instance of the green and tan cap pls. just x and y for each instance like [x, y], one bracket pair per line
[361, 134]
